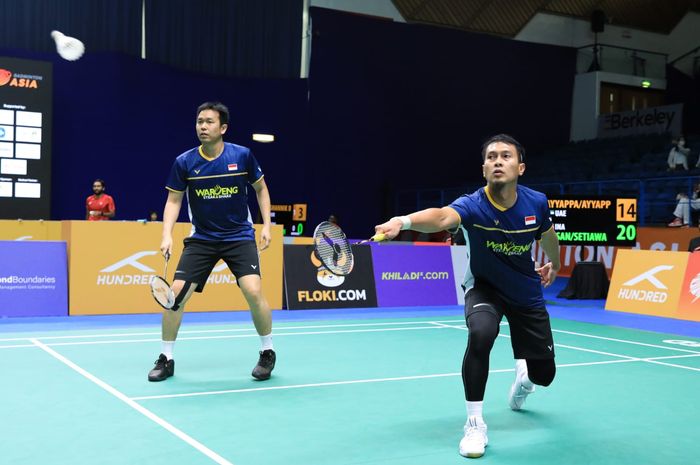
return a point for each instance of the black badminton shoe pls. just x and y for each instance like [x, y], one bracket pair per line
[164, 369]
[266, 363]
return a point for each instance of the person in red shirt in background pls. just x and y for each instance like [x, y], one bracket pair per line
[99, 206]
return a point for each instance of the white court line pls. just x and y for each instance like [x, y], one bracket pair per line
[610, 354]
[624, 341]
[236, 336]
[375, 380]
[671, 365]
[208, 331]
[142, 410]
[15, 346]
[581, 349]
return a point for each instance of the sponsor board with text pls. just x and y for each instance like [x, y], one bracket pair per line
[308, 284]
[112, 264]
[33, 278]
[648, 238]
[647, 282]
[689, 302]
[408, 275]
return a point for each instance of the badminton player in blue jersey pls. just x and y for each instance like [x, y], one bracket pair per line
[215, 177]
[500, 223]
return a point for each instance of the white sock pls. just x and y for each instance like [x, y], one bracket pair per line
[266, 342]
[167, 349]
[525, 380]
[475, 409]
[527, 384]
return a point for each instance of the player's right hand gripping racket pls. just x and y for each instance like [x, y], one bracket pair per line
[160, 288]
[331, 246]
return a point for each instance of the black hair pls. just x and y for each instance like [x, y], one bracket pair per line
[506, 139]
[216, 106]
[101, 182]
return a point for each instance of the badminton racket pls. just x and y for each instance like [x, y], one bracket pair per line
[161, 290]
[332, 248]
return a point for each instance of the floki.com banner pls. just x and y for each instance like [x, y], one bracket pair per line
[663, 284]
[407, 275]
[310, 285]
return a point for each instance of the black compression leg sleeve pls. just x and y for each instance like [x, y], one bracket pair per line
[483, 329]
[541, 372]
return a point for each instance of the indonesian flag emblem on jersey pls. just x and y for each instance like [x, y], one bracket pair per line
[233, 166]
[532, 219]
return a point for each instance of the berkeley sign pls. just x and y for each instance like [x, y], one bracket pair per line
[647, 121]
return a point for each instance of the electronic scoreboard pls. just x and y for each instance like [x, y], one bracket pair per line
[291, 216]
[594, 220]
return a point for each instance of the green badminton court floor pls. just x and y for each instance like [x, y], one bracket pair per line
[350, 392]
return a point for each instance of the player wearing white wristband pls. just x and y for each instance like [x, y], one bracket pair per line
[500, 222]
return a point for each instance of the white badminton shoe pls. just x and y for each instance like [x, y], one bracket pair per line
[518, 392]
[475, 439]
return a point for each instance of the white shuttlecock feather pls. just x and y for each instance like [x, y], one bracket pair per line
[69, 48]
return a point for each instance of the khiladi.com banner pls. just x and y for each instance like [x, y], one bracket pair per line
[310, 285]
[409, 275]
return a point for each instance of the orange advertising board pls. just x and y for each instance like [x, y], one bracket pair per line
[648, 238]
[647, 282]
[689, 303]
[111, 264]
[30, 230]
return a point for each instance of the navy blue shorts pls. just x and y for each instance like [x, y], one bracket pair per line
[530, 329]
[200, 256]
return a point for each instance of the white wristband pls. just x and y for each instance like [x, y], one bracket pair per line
[405, 222]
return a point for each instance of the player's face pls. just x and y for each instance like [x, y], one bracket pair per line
[209, 127]
[97, 188]
[501, 165]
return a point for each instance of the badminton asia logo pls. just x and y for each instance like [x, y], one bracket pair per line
[19, 80]
[5, 76]
[122, 273]
[217, 192]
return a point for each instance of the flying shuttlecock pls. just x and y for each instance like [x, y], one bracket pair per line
[69, 48]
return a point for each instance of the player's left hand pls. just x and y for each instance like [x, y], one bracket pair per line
[547, 274]
[265, 237]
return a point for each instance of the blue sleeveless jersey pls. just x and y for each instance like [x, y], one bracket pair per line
[499, 243]
[216, 191]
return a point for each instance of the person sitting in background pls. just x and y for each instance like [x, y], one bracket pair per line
[678, 156]
[153, 216]
[332, 219]
[99, 206]
[682, 211]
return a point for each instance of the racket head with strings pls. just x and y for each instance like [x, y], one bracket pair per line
[161, 290]
[332, 248]
[162, 293]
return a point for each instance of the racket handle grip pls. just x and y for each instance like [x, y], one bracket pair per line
[379, 237]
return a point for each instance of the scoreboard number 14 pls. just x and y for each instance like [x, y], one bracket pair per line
[626, 210]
